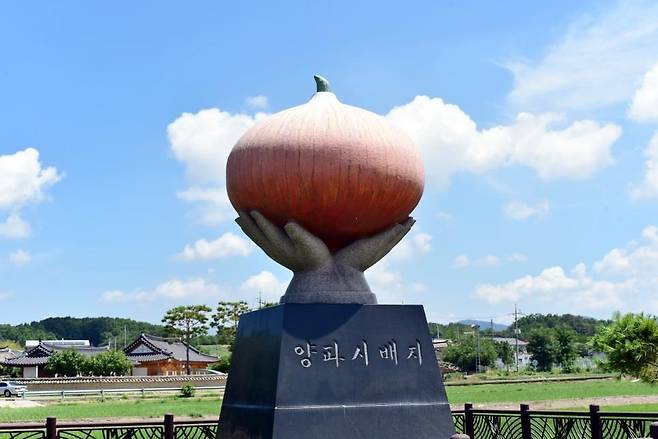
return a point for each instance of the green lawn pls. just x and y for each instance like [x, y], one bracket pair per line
[631, 408]
[216, 350]
[487, 393]
[209, 406]
[198, 407]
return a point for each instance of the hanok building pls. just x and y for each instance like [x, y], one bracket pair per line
[33, 361]
[7, 353]
[151, 355]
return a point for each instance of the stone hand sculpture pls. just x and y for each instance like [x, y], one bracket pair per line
[321, 276]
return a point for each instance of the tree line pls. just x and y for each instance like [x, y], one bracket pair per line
[98, 330]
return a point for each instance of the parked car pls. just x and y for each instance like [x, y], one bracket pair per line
[12, 388]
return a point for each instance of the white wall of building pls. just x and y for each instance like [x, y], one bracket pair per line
[31, 372]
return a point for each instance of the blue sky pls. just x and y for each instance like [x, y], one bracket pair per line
[536, 123]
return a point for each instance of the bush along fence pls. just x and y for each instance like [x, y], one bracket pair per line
[469, 423]
[530, 424]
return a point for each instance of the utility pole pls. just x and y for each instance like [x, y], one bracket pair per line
[492, 333]
[476, 329]
[516, 336]
[260, 300]
[125, 336]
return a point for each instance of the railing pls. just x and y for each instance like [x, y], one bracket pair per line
[474, 423]
[531, 424]
[101, 393]
[167, 428]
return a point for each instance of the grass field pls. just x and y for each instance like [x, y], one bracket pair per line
[216, 350]
[480, 394]
[488, 393]
[632, 408]
[196, 407]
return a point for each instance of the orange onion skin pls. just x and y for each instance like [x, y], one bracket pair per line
[340, 171]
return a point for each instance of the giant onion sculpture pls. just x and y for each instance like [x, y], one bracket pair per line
[326, 190]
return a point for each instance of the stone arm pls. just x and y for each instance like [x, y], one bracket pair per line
[319, 275]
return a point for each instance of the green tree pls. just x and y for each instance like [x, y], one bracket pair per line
[565, 347]
[463, 354]
[506, 353]
[630, 344]
[226, 318]
[110, 363]
[541, 347]
[187, 322]
[69, 363]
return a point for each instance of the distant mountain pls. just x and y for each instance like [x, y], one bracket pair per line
[484, 324]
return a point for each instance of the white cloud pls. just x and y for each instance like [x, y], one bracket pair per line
[624, 279]
[414, 244]
[598, 62]
[463, 261]
[387, 283]
[444, 216]
[20, 257]
[554, 285]
[23, 180]
[648, 188]
[259, 102]
[517, 257]
[212, 205]
[645, 101]
[266, 284]
[14, 227]
[225, 246]
[491, 261]
[637, 261]
[651, 234]
[451, 142]
[202, 142]
[173, 290]
[5, 295]
[520, 211]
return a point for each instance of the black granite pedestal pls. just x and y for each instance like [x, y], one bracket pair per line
[320, 371]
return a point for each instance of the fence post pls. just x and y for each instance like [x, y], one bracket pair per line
[595, 421]
[469, 422]
[525, 422]
[168, 426]
[51, 427]
[653, 430]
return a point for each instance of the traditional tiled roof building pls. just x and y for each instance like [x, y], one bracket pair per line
[34, 360]
[6, 353]
[151, 355]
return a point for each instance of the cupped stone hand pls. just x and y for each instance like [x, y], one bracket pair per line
[319, 275]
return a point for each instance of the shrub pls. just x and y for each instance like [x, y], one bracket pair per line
[187, 391]
[223, 364]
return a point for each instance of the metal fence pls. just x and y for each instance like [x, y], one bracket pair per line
[534, 424]
[167, 428]
[102, 393]
[476, 423]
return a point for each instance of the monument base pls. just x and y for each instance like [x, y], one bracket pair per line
[333, 371]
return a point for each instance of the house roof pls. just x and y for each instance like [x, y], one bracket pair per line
[40, 354]
[147, 348]
[510, 340]
[7, 353]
